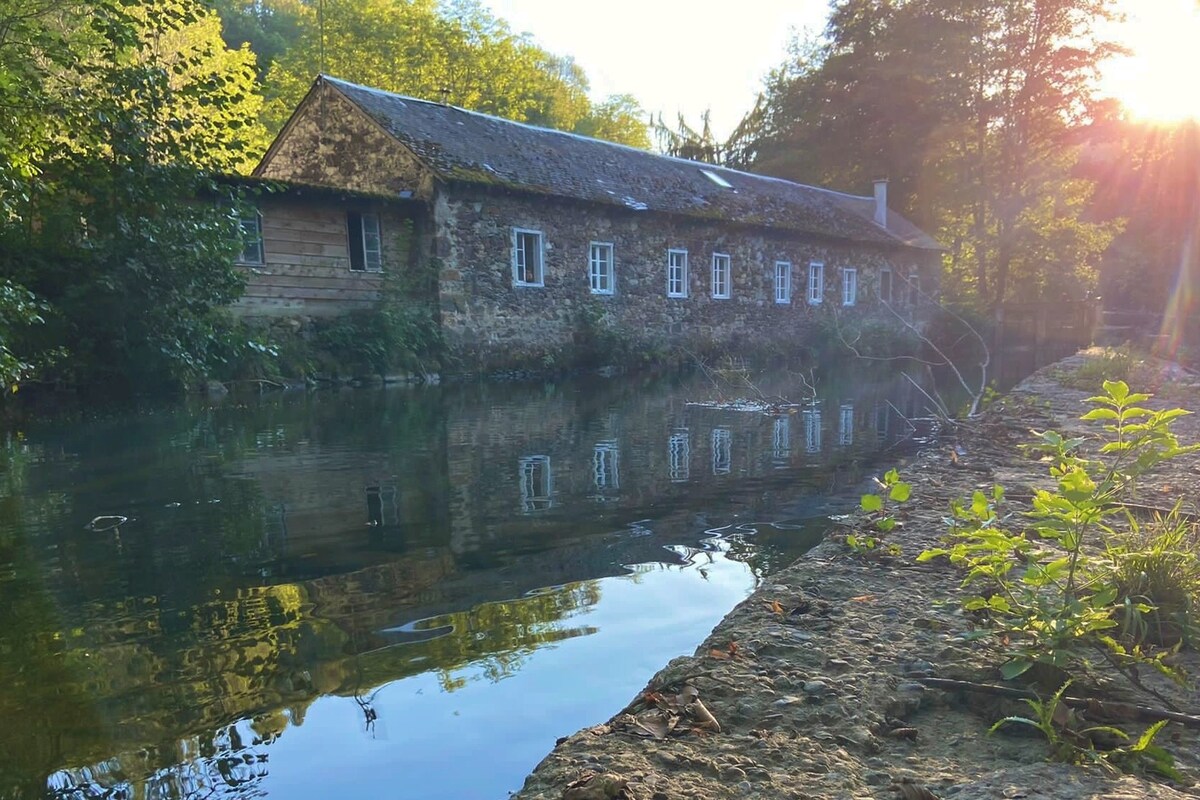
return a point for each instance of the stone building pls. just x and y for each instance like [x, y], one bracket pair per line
[528, 240]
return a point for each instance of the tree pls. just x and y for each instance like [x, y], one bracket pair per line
[971, 110]
[453, 51]
[618, 118]
[108, 226]
[268, 29]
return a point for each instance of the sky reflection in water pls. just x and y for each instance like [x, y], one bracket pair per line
[401, 593]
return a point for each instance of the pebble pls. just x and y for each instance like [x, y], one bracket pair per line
[787, 700]
[818, 688]
[911, 687]
[744, 786]
[877, 778]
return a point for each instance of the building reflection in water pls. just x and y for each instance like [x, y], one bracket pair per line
[845, 424]
[811, 414]
[536, 483]
[722, 451]
[285, 592]
[679, 453]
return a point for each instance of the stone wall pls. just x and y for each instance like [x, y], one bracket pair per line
[330, 142]
[490, 323]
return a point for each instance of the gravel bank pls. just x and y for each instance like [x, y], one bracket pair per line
[814, 681]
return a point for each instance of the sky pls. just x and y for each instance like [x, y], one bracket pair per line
[688, 56]
[672, 55]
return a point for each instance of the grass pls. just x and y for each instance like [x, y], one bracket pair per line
[1157, 573]
[1110, 363]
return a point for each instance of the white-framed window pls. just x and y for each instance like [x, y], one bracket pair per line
[812, 428]
[816, 282]
[253, 251]
[849, 286]
[537, 483]
[885, 284]
[846, 424]
[721, 274]
[606, 466]
[677, 273]
[722, 451]
[366, 253]
[679, 453]
[783, 282]
[781, 441]
[527, 258]
[600, 268]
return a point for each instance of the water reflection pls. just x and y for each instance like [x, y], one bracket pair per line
[384, 559]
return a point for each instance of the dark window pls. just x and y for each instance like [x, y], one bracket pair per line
[252, 239]
[363, 232]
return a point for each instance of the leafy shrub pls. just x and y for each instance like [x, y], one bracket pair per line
[1053, 601]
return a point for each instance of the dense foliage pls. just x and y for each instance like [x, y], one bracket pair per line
[451, 50]
[112, 108]
[972, 111]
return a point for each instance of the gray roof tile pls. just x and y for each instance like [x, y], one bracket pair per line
[461, 145]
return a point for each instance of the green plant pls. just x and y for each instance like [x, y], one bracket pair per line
[1157, 574]
[1112, 364]
[1071, 743]
[880, 509]
[1048, 587]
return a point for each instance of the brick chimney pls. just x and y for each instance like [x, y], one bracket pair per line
[881, 202]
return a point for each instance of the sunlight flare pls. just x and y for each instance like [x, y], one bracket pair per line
[1156, 82]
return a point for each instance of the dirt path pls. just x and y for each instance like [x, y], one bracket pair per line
[814, 679]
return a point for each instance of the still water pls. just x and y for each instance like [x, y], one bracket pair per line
[403, 593]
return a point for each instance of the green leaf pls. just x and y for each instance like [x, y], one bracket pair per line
[979, 505]
[871, 502]
[1147, 738]
[886, 524]
[1015, 668]
[1018, 720]
[998, 493]
[1117, 390]
[1100, 413]
[890, 477]
[900, 492]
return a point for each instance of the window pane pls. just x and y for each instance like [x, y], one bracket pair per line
[354, 233]
[372, 250]
[252, 240]
[527, 258]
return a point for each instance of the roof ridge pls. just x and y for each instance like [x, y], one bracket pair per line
[606, 142]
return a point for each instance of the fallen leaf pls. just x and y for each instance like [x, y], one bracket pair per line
[718, 654]
[775, 607]
[733, 648]
[655, 723]
[863, 598]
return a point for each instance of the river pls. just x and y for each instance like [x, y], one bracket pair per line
[403, 592]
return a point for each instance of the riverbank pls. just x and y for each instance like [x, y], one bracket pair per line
[814, 683]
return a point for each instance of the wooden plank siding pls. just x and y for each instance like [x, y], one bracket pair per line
[306, 259]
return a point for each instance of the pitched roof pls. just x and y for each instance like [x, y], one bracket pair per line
[468, 146]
